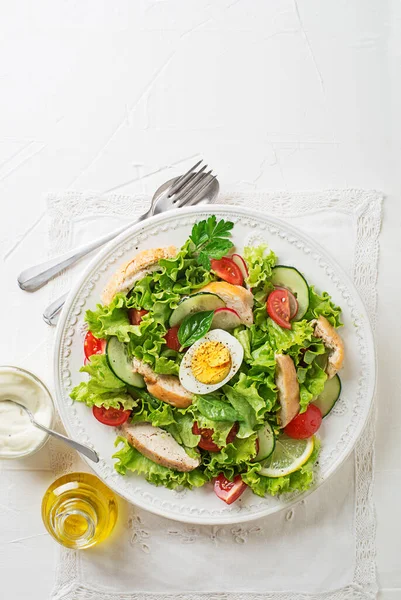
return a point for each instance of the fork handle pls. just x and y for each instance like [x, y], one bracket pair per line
[35, 277]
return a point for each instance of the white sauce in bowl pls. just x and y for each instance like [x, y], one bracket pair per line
[18, 437]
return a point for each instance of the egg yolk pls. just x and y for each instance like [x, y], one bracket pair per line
[211, 362]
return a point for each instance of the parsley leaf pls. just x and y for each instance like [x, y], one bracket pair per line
[210, 239]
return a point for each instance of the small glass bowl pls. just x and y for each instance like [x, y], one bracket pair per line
[42, 386]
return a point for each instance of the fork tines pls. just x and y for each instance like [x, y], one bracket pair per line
[190, 187]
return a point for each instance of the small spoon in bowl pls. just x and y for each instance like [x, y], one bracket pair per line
[88, 452]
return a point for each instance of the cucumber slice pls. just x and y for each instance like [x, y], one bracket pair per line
[193, 304]
[120, 364]
[290, 278]
[225, 318]
[329, 396]
[267, 442]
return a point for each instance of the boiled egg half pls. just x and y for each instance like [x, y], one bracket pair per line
[211, 362]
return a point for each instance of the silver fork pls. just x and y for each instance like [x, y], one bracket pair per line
[187, 190]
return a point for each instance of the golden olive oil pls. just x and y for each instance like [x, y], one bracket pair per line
[79, 511]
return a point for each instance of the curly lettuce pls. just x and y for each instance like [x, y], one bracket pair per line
[103, 387]
[321, 304]
[260, 262]
[129, 459]
[232, 459]
[178, 422]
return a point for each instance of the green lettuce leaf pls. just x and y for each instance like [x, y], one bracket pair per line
[260, 262]
[312, 385]
[231, 459]
[243, 335]
[322, 305]
[168, 363]
[248, 403]
[181, 430]
[282, 340]
[216, 409]
[146, 341]
[129, 459]
[259, 388]
[111, 320]
[299, 481]
[182, 274]
[104, 388]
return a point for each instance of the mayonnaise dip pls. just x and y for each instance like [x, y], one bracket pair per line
[18, 437]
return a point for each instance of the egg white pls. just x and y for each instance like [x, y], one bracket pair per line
[188, 380]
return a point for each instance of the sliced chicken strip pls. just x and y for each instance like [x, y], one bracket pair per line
[143, 263]
[235, 297]
[164, 387]
[332, 341]
[288, 388]
[159, 446]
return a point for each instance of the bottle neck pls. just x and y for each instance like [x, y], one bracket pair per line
[75, 525]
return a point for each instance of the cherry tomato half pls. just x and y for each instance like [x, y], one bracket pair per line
[171, 338]
[278, 307]
[293, 302]
[206, 442]
[111, 416]
[93, 345]
[229, 491]
[135, 316]
[226, 269]
[304, 425]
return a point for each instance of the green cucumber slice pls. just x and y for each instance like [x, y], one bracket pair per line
[290, 278]
[120, 364]
[267, 442]
[193, 304]
[329, 396]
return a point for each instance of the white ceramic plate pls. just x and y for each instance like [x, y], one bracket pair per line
[339, 431]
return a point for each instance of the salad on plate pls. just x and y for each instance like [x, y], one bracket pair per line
[215, 366]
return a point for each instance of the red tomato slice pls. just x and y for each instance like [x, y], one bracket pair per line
[278, 308]
[206, 442]
[171, 338]
[304, 425]
[293, 302]
[93, 345]
[111, 416]
[229, 491]
[135, 316]
[226, 269]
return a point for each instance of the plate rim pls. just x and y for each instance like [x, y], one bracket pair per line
[242, 212]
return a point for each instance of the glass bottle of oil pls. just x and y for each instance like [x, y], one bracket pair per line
[79, 511]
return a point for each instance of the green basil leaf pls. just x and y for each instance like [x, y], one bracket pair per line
[216, 410]
[194, 327]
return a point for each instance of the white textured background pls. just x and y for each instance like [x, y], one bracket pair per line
[274, 94]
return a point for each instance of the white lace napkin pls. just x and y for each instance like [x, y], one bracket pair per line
[323, 547]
